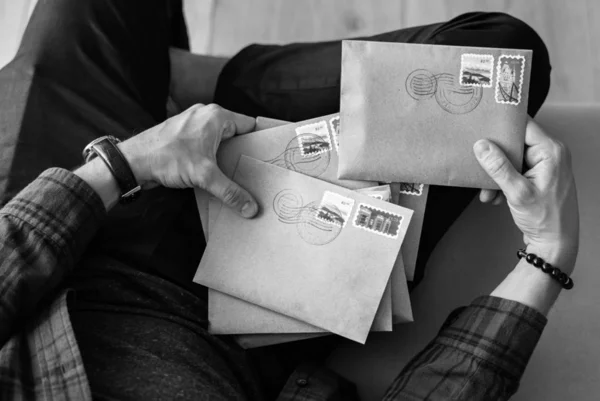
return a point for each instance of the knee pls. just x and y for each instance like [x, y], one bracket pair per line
[55, 28]
[502, 30]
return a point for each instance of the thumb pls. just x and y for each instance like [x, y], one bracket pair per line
[232, 195]
[493, 160]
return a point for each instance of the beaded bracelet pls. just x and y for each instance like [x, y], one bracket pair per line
[554, 272]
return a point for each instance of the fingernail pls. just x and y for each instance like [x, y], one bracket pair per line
[481, 148]
[249, 209]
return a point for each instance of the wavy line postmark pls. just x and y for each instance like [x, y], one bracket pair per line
[313, 138]
[422, 84]
[291, 158]
[290, 209]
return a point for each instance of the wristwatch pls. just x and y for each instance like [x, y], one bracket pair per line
[106, 148]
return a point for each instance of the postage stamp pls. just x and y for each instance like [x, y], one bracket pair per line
[379, 221]
[409, 188]
[476, 70]
[317, 142]
[335, 208]
[335, 131]
[509, 81]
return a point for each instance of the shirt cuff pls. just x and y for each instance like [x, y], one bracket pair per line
[62, 207]
[497, 331]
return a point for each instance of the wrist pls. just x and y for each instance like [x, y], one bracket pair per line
[137, 160]
[561, 255]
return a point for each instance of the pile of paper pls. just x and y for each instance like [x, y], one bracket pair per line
[332, 247]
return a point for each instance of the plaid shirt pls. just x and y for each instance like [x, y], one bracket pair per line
[479, 354]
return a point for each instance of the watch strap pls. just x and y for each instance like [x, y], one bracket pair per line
[106, 149]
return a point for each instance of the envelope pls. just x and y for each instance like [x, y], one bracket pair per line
[317, 252]
[280, 146]
[412, 112]
[412, 196]
[248, 341]
[229, 315]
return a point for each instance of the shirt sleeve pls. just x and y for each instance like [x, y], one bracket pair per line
[43, 232]
[480, 353]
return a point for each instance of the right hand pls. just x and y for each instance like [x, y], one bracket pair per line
[542, 201]
[181, 153]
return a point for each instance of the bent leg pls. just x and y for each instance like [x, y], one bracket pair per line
[301, 81]
[84, 69]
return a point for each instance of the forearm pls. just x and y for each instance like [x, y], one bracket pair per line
[482, 350]
[43, 232]
[480, 353]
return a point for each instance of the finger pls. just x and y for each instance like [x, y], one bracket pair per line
[500, 169]
[487, 195]
[243, 123]
[535, 135]
[239, 124]
[231, 194]
[498, 199]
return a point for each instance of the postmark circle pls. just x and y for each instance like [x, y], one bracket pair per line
[316, 231]
[313, 165]
[457, 99]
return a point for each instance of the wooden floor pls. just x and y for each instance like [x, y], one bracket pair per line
[569, 28]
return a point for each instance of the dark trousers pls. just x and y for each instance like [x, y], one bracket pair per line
[90, 68]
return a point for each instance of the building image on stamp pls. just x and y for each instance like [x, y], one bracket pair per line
[335, 131]
[379, 221]
[317, 142]
[510, 79]
[335, 208]
[476, 70]
[409, 188]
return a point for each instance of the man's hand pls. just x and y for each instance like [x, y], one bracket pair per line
[181, 153]
[543, 201]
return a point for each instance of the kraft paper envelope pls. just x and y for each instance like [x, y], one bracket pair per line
[412, 112]
[414, 197]
[285, 143]
[226, 316]
[402, 314]
[229, 315]
[316, 252]
[248, 341]
[263, 123]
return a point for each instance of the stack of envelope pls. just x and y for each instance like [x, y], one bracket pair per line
[342, 197]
